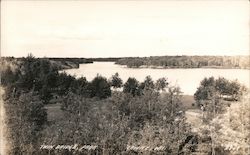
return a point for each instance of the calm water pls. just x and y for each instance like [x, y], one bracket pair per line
[187, 79]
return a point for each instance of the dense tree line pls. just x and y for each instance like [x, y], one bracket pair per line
[187, 61]
[68, 63]
[59, 63]
[111, 59]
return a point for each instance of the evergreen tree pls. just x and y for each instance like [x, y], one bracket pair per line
[132, 86]
[116, 81]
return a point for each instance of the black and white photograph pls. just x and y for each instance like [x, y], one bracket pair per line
[125, 77]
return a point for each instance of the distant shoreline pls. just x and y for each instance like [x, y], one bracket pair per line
[156, 62]
[170, 67]
[75, 66]
[163, 62]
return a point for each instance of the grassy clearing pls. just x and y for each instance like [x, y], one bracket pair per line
[188, 102]
[54, 112]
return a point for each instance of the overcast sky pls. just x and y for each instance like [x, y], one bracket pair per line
[124, 28]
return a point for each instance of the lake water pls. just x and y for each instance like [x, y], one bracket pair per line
[187, 79]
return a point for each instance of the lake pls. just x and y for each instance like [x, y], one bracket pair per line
[187, 79]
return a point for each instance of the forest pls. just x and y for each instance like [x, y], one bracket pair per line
[111, 116]
[59, 63]
[187, 61]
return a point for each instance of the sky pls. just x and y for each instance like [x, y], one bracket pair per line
[121, 28]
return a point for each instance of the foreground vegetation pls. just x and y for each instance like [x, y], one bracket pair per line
[225, 115]
[143, 115]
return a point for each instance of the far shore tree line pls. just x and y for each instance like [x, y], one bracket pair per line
[187, 61]
[147, 113]
[183, 61]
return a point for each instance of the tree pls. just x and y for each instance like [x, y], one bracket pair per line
[64, 83]
[222, 85]
[147, 84]
[27, 76]
[116, 81]
[230, 88]
[161, 84]
[219, 88]
[208, 97]
[173, 98]
[37, 75]
[79, 86]
[8, 76]
[206, 90]
[45, 94]
[131, 86]
[234, 89]
[214, 95]
[99, 87]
